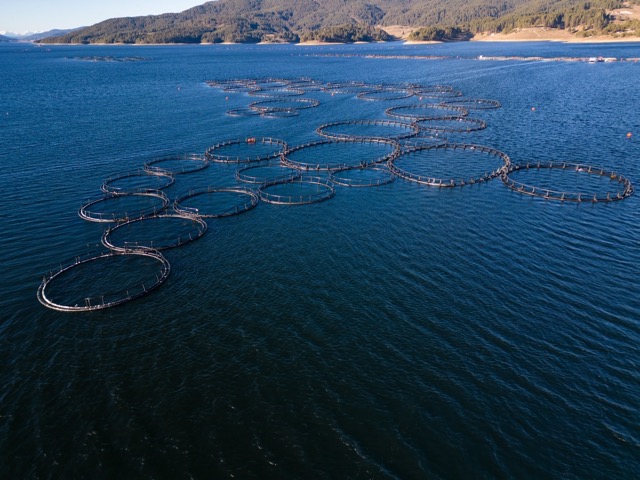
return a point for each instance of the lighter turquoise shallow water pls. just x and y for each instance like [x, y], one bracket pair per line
[392, 332]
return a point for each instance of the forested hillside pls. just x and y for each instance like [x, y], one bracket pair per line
[348, 20]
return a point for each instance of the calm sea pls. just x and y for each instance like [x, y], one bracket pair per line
[402, 331]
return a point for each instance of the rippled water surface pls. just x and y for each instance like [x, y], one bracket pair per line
[400, 331]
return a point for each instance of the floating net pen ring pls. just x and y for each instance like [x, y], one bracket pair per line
[351, 83]
[239, 89]
[426, 112]
[237, 209]
[473, 103]
[437, 91]
[85, 212]
[270, 82]
[213, 153]
[218, 83]
[243, 112]
[456, 125]
[108, 187]
[434, 88]
[279, 112]
[221, 84]
[247, 174]
[421, 141]
[344, 87]
[319, 165]
[185, 163]
[566, 196]
[384, 94]
[112, 299]
[238, 86]
[325, 193]
[411, 130]
[194, 234]
[308, 85]
[383, 176]
[224, 84]
[277, 92]
[450, 182]
[297, 103]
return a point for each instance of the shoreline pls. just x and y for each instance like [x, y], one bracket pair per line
[541, 34]
[315, 43]
[522, 36]
[422, 42]
[527, 34]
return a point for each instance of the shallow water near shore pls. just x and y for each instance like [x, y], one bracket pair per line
[401, 331]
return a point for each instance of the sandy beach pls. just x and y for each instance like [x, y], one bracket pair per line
[540, 34]
[315, 43]
[536, 34]
[420, 42]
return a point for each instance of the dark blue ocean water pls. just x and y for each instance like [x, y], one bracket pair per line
[394, 332]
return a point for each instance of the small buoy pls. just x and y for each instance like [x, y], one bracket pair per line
[226, 98]
[533, 109]
[629, 135]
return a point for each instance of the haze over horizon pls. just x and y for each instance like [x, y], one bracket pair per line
[21, 16]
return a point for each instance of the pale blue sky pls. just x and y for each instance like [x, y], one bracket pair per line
[19, 16]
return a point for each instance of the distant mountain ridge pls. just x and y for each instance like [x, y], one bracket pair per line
[32, 37]
[51, 33]
[242, 21]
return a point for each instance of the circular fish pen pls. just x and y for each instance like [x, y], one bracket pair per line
[474, 104]
[177, 164]
[277, 92]
[280, 113]
[427, 111]
[270, 172]
[347, 88]
[368, 130]
[118, 207]
[152, 235]
[247, 85]
[228, 201]
[270, 83]
[307, 84]
[439, 160]
[243, 112]
[226, 83]
[239, 89]
[94, 281]
[284, 104]
[246, 150]
[374, 176]
[327, 155]
[585, 184]
[234, 86]
[451, 125]
[436, 91]
[137, 181]
[223, 84]
[422, 141]
[299, 191]
[384, 95]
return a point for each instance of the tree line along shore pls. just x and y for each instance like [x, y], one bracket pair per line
[336, 21]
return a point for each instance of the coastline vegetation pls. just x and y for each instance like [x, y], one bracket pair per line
[253, 21]
[440, 34]
[346, 34]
